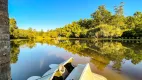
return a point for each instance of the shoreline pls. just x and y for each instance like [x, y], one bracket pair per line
[84, 39]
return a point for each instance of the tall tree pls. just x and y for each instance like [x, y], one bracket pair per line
[118, 19]
[4, 41]
[101, 15]
[119, 9]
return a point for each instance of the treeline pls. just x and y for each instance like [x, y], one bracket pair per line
[102, 24]
[16, 33]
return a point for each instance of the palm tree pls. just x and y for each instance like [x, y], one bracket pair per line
[4, 41]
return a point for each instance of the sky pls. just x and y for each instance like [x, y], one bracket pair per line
[51, 14]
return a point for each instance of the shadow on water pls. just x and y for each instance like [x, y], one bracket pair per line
[123, 58]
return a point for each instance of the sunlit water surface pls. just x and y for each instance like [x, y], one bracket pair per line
[114, 60]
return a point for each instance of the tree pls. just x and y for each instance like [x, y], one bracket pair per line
[86, 23]
[41, 32]
[54, 34]
[101, 16]
[130, 21]
[138, 19]
[13, 26]
[136, 32]
[4, 41]
[31, 34]
[105, 30]
[119, 9]
[118, 19]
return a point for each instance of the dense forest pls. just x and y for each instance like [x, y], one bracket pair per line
[102, 24]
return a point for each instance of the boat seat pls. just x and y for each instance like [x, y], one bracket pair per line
[76, 72]
[83, 72]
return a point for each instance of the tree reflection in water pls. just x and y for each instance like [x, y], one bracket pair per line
[15, 48]
[100, 52]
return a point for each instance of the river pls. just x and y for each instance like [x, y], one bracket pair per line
[114, 60]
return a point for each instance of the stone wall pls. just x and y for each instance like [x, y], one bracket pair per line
[4, 42]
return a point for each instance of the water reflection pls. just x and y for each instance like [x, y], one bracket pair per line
[15, 48]
[101, 54]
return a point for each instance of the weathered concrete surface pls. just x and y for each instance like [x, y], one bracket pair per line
[4, 42]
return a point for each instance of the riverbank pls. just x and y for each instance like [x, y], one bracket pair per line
[96, 39]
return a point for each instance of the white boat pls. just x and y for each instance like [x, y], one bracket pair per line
[65, 71]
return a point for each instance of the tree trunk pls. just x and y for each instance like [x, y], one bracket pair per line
[4, 42]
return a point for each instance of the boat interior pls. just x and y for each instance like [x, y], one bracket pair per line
[68, 70]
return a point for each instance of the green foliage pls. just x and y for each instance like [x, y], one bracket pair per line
[101, 16]
[138, 19]
[136, 32]
[31, 34]
[130, 21]
[73, 30]
[86, 23]
[13, 27]
[118, 22]
[118, 19]
[105, 30]
[103, 24]
[41, 32]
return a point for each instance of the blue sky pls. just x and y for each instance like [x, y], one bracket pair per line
[50, 14]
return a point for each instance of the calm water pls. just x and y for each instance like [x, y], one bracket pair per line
[114, 60]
